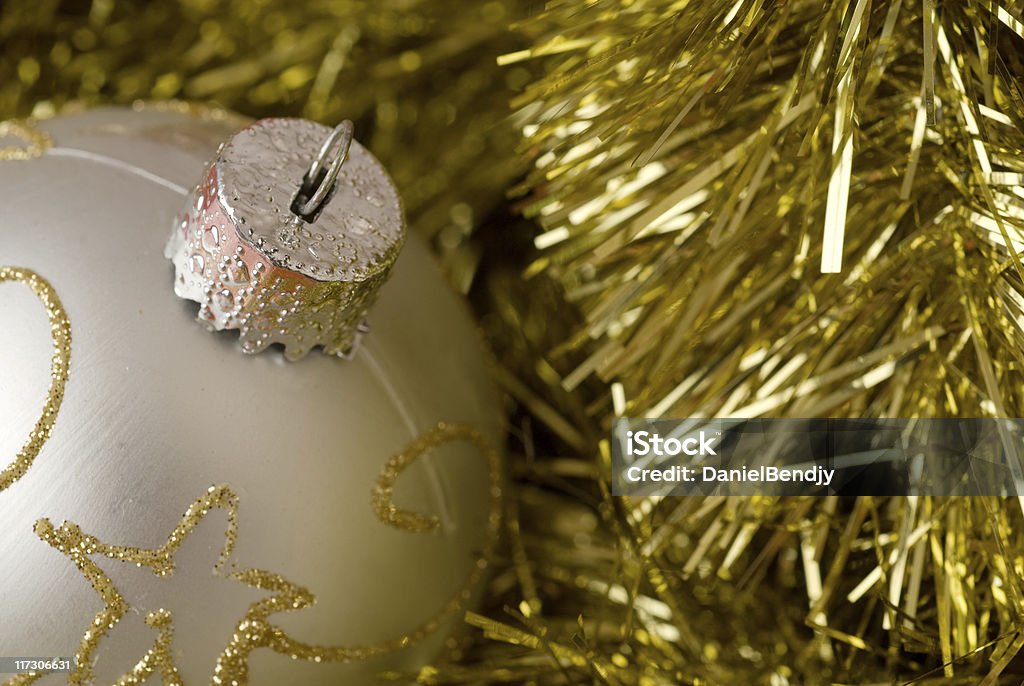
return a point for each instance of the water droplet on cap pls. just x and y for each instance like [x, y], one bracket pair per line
[225, 300]
[211, 238]
[238, 273]
[360, 225]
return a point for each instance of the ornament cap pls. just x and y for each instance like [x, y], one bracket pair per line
[288, 237]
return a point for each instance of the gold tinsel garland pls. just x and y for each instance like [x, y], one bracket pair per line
[697, 167]
[774, 208]
[799, 207]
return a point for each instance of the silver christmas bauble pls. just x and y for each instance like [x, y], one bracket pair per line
[200, 514]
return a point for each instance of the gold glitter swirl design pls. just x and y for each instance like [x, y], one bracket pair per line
[60, 331]
[254, 630]
[383, 491]
[80, 547]
[158, 658]
[36, 141]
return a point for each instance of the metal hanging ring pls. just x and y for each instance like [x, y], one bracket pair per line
[317, 184]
